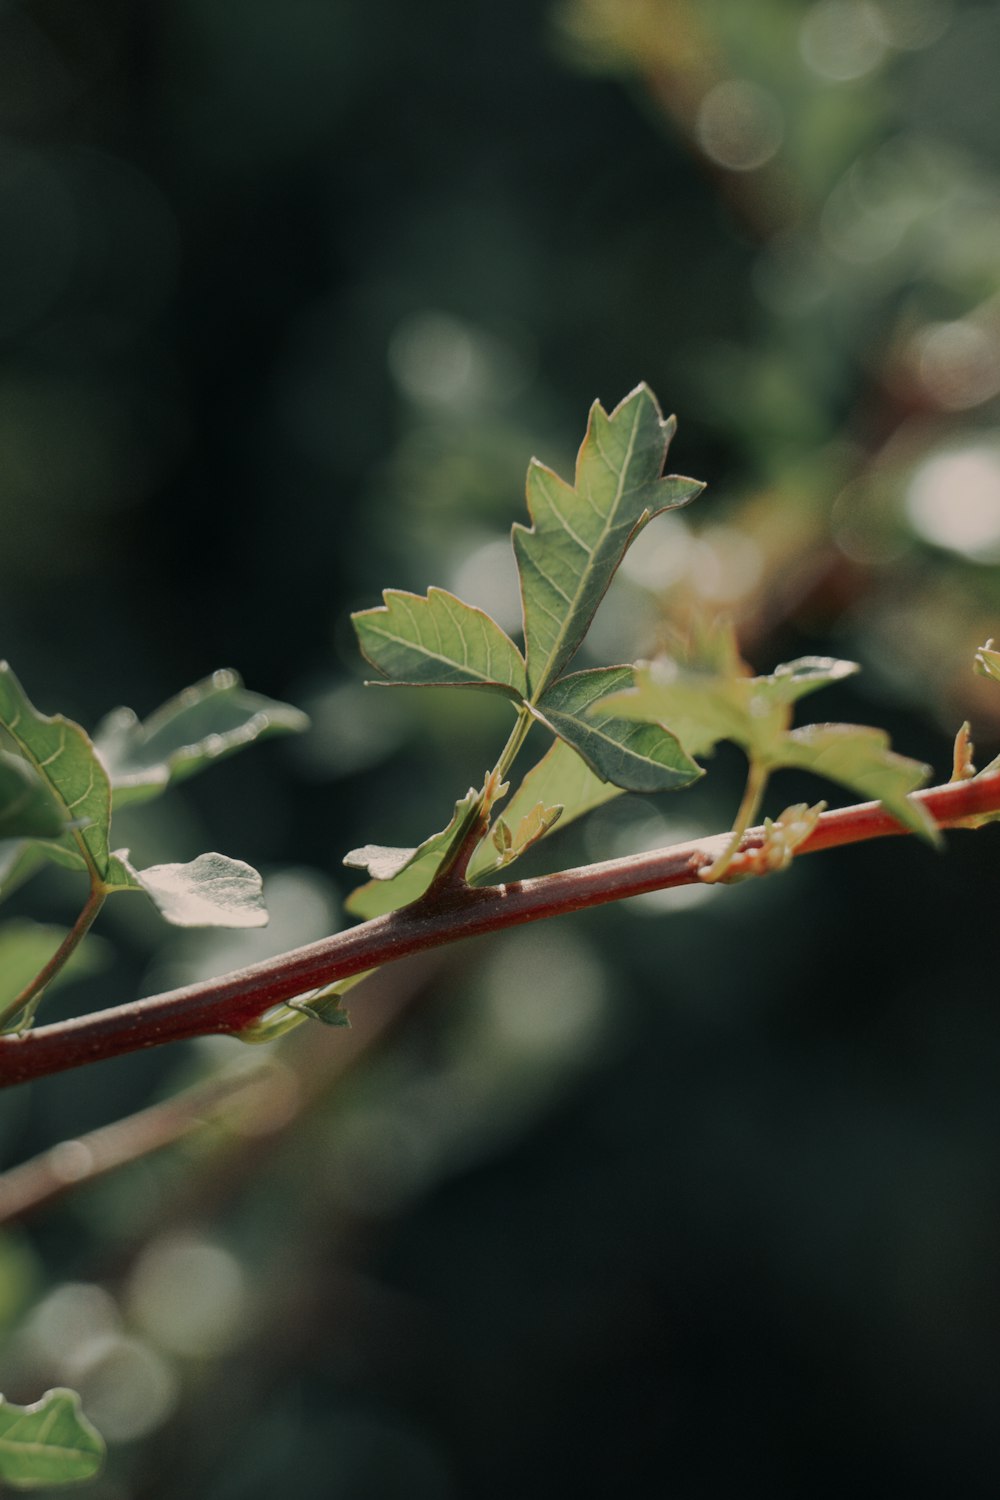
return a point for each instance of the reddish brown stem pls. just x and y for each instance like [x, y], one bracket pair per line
[231, 1003]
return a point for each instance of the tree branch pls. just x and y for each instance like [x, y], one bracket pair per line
[231, 1003]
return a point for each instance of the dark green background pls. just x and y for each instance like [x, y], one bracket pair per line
[735, 1230]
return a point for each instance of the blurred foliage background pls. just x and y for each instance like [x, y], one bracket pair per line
[691, 1198]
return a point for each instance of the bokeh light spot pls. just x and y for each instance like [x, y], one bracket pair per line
[958, 364]
[739, 125]
[189, 1295]
[954, 501]
[842, 39]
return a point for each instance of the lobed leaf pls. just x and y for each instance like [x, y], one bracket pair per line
[703, 707]
[211, 719]
[63, 756]
[637, 756]
[580, 533]
[26, 806]
[439, 641]
[400, 876]
[50, 1442]
[859, 758]
[210, 891]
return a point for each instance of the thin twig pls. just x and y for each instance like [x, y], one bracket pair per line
[229, 1004]
[252, 1107]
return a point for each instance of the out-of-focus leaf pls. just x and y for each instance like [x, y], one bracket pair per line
[560, 778]
[860, 758]
[703, 707]
[210, 891]
[987, 661]
[439, 641]
[581, 532]
[212, 718]
[48, 1443]
[400, 876]
[25, 949]
[62, 754]
[638, 756]
[26, 806]
[796, 679]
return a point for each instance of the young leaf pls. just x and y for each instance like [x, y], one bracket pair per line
[213, 718]
[50, 1442]
[26, 806]
[560, 778]
[439, 641]
[987, 661]
[211, 891]
[63, 756]
[510, 841]
[580, 533]
[400, 876]
[637, 756]
[859, 758]
[703, 707]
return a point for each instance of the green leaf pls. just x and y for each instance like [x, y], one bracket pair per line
[703, 707]
[796, 679]
[25, 949]
[860, 758]
[211, 891]
[439, 641]
[50, 1442]
[560, 778]
[26, 806]
[637, 756]
[211, 719]
[580, 533]
[987, 661]
[63, 756]
[511, 840]
[400, 876]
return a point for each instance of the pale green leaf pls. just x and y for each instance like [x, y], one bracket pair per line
[48, 1443]
[637, 756]
[324, 1005]
[511, 840]
[26, 806]
[560, 778]
[400, 876]
[25, 949]
[703, 707]
[580, 533]
[987, 661]
[859, 758]
[439, 641]
[62, 754]
[795, 679]
[211, 719]
[699, 708]
[210, 891]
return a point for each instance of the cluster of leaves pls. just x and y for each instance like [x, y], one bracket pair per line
[618, 728]
[624, 728]
[59, 787]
